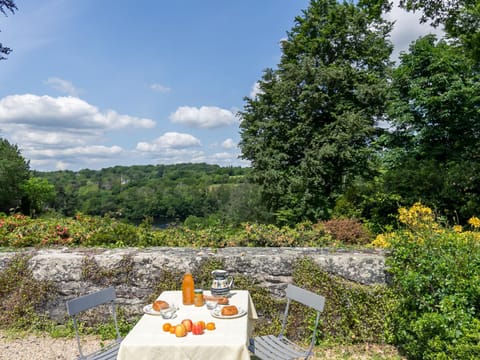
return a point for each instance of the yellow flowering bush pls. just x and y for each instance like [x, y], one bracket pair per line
[474, 222]
[417, 217]
[421, 222]
[435, 275]
[382, 240]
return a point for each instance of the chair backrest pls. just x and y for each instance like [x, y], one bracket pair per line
[89, 301]
[85, 302]
[307, 298]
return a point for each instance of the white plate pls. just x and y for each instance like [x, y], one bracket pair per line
[147, 309]
[217, 313]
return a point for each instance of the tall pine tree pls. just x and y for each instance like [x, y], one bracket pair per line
[309, 129]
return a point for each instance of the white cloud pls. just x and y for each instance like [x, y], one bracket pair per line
[63, 112]
[61, 165]
[65, 132]
[407, 28]
[73, 158]
[48, 138]
[255, 90]
[203, 117]
[62, 85]
[229, 144]
[227, 159]
[169, 140]
[223, 156]
[160, 88]
[174, 155]
[91, 151]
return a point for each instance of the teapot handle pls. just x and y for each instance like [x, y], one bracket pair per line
[230, 283]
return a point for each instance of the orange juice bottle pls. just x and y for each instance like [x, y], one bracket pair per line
[188, 288]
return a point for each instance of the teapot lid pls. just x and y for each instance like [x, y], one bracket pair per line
[219, 272]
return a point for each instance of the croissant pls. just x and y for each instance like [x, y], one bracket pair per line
[160, 305]
[229, 310]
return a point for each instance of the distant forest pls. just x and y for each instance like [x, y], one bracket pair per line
[163, 193]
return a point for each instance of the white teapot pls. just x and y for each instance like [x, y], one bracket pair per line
[222, 283]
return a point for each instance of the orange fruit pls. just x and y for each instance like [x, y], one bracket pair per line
[180, 330]
[172, 329]
[167, 326]
[210, 326]
[202, 324]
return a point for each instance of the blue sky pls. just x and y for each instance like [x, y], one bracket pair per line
[94, 84]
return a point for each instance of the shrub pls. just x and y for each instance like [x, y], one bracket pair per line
[21, 296]
[303, 234]
[353, 313]
[436, 277]
[347, 231]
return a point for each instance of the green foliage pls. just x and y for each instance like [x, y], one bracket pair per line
[120, 275]
[435, 127]
[437, 92]
[113, 233]
[203, 272]
[14, 170]
[166, 280]
[436, 276]
[269, 309]
[308, 129]
[106, 330]
[38, 192]
[21, 296]
[164, 193]
[353, 313]
[303, 234]
[22, 231]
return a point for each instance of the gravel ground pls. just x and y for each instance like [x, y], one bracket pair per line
[33, 347]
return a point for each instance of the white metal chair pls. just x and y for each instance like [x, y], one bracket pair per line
[83, 303]
[279, 347]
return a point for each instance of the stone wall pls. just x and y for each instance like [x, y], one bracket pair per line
[135, 272]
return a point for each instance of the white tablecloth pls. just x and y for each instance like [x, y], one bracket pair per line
[147, 340]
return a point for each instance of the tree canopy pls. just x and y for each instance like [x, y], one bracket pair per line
[436, 128]
[308, 131]
[14, 170]
[166, 193]
[37, 193]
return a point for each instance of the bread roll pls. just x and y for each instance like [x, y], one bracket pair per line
[160, 305]
[222, 301]
[229, 310]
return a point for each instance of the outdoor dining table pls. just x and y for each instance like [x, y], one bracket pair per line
[228, 341]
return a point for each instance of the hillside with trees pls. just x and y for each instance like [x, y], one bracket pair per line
[165, 193]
